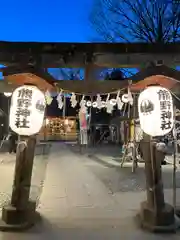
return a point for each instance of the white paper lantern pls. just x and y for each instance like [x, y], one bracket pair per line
[89, 103]
[94, 104]
[27, 109]
[113, 101]
[155, 107]
[125, 98]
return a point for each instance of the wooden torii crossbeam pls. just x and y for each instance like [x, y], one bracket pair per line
[73, 54]
[26, 63]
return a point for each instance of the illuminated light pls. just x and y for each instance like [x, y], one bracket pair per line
[7, 94]
[155, 107]
[66, 121]
[27, 120]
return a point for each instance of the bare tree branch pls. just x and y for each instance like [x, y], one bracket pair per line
[155, 21]
[67, 74]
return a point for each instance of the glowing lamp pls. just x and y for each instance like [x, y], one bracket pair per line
[66, 121]
[155, 107]
[47, 121]
[27, 110]
[7, 94]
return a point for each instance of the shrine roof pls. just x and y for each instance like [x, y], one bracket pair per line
[163, 81]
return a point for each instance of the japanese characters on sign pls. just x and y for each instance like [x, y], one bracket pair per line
[155, 107]
[165, 101]
[23, 112]
[27, 110]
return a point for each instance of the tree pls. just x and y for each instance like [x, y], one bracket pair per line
[65, 73]
[70, 73]
[155, 21]
[116, 74]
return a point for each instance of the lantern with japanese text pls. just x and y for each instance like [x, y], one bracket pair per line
[155, 107]
[27, 110]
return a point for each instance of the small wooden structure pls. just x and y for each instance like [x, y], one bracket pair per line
[59, 128]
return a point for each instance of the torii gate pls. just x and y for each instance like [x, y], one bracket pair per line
[19, 73]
